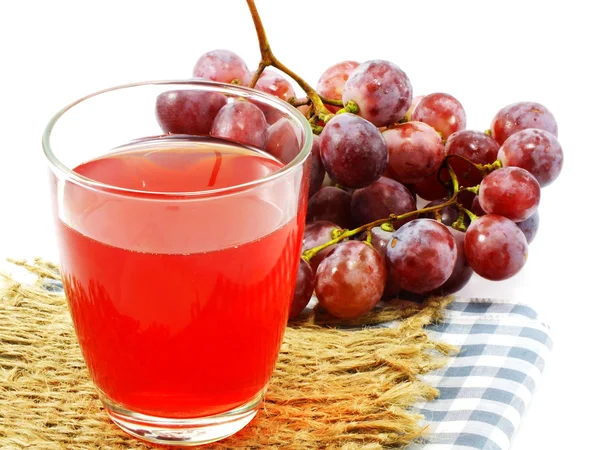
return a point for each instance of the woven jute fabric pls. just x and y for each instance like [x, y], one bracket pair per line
[333, 387]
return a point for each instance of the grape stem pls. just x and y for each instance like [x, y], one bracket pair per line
[310, 253]
[484, 169]
[328, 101]
[267, 58]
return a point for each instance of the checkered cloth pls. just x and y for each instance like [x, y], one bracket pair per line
[486, 388]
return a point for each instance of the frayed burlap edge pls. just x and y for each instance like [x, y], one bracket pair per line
[333, 388]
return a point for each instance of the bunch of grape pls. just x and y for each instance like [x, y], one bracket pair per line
[376, 158]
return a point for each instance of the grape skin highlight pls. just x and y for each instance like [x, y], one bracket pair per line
[421, 255]
[381, 90]
[331, 83]
[353, 151]
[495, 247]
[416, 152]
[536, 151]
[224, 66]
[351, 280]
[520, 116]
[511, 192]
[242, 122]
[441, 111]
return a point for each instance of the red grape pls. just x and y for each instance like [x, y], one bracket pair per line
[351, 280]
[332, 204]
[536, 151]
[421, 255]
[188, 111]
[415, 101]
[282, 141]
[416, 152]
[276, 84]
[476, 207]
[380, 239]
[495, 247]
[530, 226]
[317, 170]
[447, 215]
[430, 188]
[353, 151]
[380, 199]
[331, 83]
[223, 66]
[511, 192]
[442, 111]
[520, 116]
[242, 122]
[462, 272]
[318, 233]
[381, 90]
[477, 147]
[305, 285]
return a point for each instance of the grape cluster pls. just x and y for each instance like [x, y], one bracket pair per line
[381, 245]
[379, 151]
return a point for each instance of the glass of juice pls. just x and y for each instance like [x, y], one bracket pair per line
[179, 249]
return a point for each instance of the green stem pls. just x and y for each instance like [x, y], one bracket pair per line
[472, 217]
[310, 253]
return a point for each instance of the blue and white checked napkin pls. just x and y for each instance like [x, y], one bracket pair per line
[486, 388]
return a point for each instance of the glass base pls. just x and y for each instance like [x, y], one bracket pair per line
[183, 432]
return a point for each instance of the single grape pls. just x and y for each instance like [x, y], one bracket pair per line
[415, 101]
[318, 233]
[317, 170]
[447, 215]
[353, 151]
[510, 192]
[416, 152]
[222, 65]
[536, 151]
[441, 111]
[242, 122]
[332, 204]
[530, 226]
[305, 285]
[477, 147]
[380, 199]
[431, 188]
[332, 81]
[462, 272]
[381, 90]
[520, 116]
[379, 239]
[282, 141]
[276, 84]
[421, 255]
[495, 247]
[188, 111]
[476, 207]
[351, 280]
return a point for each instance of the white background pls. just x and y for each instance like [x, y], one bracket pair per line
[487, 54]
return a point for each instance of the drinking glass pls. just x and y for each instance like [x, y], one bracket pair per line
[179, 297]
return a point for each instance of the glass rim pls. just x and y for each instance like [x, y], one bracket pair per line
[57, 166]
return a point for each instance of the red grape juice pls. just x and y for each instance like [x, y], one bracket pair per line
[180, 303]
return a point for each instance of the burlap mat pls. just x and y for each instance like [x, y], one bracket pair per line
[332, 388]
